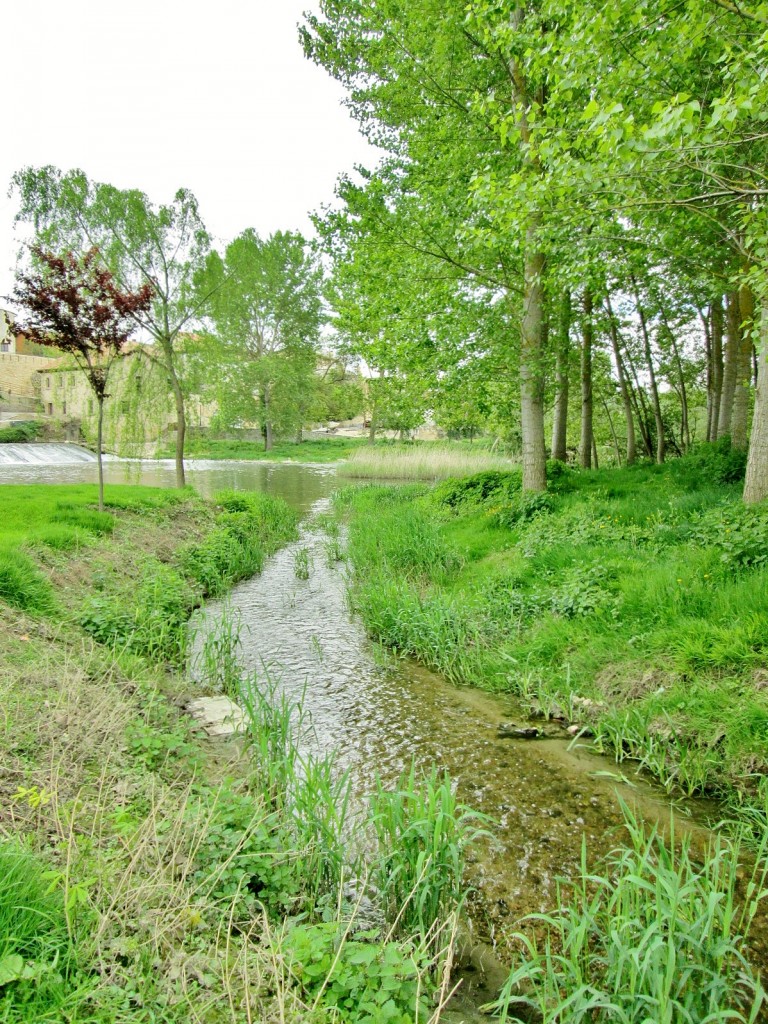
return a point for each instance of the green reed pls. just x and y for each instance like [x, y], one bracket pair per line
[655, 934]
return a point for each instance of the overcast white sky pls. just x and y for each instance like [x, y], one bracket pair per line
[159, 94]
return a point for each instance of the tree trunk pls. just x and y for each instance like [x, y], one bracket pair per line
[656, 404]
[626, 398]
[531, 390]
[594, 453]
[685, 429]
[640, 403]
[716, 313]
[372, 430]
[181, 429]
[562, 381]
[587, 403]
[756, 483]
[266, 403]
[616, 447]
[743, 369]
[99, 446]
[730, 363]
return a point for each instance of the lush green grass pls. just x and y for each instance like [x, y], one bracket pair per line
[655, 933]
[326, 449]
[643, 591]
[143, 606]
[62, 517]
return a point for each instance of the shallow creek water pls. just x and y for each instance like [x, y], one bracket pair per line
[378, 714]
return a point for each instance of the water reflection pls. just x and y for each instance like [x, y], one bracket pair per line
[300, 485]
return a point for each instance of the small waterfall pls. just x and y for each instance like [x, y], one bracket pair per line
[44, 454]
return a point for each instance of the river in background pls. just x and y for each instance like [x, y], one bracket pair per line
[299, 484]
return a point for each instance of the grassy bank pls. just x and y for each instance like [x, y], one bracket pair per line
[327, 449]
[633, 602]
[149, 875]
[423, 460]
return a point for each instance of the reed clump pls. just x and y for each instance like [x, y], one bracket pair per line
[424, 461]
[655, 933]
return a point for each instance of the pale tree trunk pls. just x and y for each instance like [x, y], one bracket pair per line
[682, 391]
[743, 369]
[642, 413]
[616, 447]
[716, 330]
[532, 325]
[660, 441]
[178, 401]
[730, 363]
[756, 483]
[181, 430]
[587, 403]
[626, 398]
[562, 380]
[594, 453]
[685, 429]
[99, 447]
[266, 402]
[531, 390]
[372, 430]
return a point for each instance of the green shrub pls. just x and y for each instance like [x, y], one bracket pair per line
[21, 433]
[523, 508]
[711, 462]
[363, 982]
[474, 490]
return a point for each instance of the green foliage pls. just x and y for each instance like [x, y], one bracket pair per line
[363, 982]
[22, 585]
[151, 620]
[523, 507]
[476, 489]
[656, 934]
[246, 858]
[20, 433]
[717, 462]
[36, 952]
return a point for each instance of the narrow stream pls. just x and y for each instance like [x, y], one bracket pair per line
[378, 714]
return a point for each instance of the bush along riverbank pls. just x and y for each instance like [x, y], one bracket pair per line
[150, 874]
[632, 605]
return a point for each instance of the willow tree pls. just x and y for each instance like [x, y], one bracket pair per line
[140, 243]
[73, 304]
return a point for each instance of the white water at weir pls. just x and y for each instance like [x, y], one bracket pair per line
[44, 454]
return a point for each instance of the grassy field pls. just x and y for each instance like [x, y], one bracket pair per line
[633, 602]
[327, 449]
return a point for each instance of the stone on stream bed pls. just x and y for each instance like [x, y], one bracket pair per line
[513, 731]
[219, 716]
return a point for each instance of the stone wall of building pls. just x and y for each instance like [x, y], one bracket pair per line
[19, 374]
